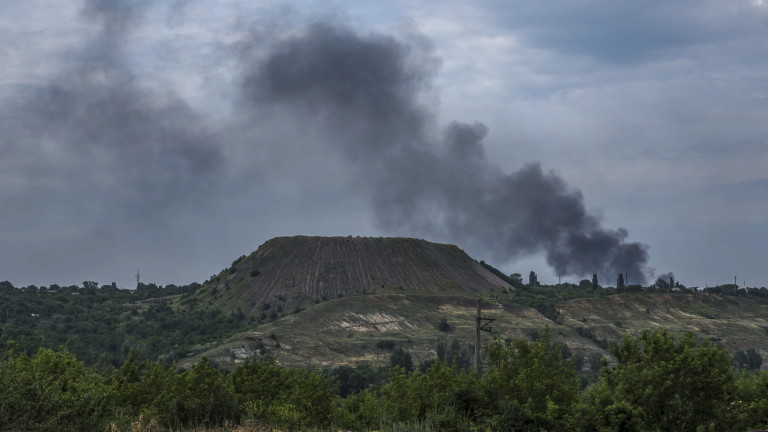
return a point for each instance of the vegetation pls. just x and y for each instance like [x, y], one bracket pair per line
[96, 357]
[658, 383]
[100, 325]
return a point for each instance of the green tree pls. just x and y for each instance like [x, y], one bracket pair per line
[51, 391]
[517, 280]
[291, 398]
[620, 281]
[533, 280]
[752, 391]
[667, 384]
[443, 325]
[532, 375]
[401, 358]
[443, 396]
[595, 285]
[204, 396]
[750, 359]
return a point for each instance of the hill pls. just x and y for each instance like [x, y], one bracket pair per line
[293, 272]
[322, 301]
[326, 301]
[357, 329]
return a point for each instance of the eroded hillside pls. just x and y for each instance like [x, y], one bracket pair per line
[289, 272]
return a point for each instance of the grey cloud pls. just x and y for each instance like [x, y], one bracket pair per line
[627, 32]
[97, 153]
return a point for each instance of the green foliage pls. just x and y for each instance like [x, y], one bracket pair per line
[443, 325]
[532, 375]
[752, 391]
[443, 396]
[533, 280]
[291, 398]
[750, 359]
[199, 396]
[401, 358]
[386, 344]
[454, 354]
[669, 384]
[101, 325]
[351, 380]
[595, 361]
[51, 391]
[203, 396]
[515, 279]
[660, 383]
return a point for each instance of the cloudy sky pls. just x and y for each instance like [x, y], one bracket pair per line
[565, 137]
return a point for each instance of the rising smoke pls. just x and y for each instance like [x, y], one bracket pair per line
[370, 90]
[137, 155]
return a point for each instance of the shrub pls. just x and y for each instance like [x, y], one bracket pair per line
[51, 391]
[443, 325]
[386, 344]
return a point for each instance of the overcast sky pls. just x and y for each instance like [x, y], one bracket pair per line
[173, 136]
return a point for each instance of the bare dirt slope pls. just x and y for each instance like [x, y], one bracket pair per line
[297, 271]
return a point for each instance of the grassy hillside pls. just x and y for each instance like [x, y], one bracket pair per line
[733, 322]
[350, 330]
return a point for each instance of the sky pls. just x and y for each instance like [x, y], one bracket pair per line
[170, 137]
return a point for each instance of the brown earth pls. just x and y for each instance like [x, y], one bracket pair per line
[297, 271]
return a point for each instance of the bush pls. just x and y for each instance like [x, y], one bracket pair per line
[386, 344]
[288, 398]
[443, 325]
[51, 391]
[672, 384]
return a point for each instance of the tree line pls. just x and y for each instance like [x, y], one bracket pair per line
[658, 382]
[101, 324]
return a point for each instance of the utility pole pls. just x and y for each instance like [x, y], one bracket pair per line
[484, 325]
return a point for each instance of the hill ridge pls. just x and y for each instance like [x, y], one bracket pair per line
[298, 270]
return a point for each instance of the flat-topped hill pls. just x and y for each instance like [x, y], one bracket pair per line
[289, 272]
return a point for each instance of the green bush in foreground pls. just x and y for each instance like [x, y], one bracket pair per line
[51, 391]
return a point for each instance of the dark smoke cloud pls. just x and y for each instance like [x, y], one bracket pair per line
[369, 91]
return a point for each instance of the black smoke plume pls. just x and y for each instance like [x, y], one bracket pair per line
[369, 92]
